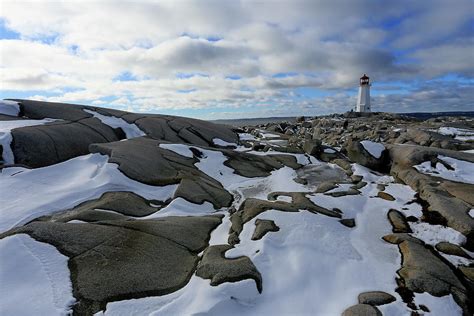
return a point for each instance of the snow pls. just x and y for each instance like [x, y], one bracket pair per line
[212, 164]
[130, 130]
[329, 151]
[8, 107]
[220, 142]
[6, 136]
[438, 306]
[284, 198]
[458, 133]
[471, 212]
[463, 170]
[182, 207]
[369, 175]
[34, 278]
[433, 234]
[373, 148]
[30, 193]
[246, 136]
[264, 134]
[180, 149]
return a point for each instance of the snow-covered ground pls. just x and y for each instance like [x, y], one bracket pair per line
[463, 170]
[34, 278]
[130, 130]
[29, 193]
[6, 136]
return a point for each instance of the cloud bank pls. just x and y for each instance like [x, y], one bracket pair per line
[220, 59]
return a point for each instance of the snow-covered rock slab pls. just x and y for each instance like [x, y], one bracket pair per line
[373, 148]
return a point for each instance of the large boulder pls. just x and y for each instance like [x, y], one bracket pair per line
[369, 154]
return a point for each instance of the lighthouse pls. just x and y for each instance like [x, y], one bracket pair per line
[363, 100]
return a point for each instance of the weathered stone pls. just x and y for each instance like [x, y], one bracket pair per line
[451, 249]
[219, 269]
[400, 237]
[376, 298]
[362, 310]
[262, 227]
[385, 196]
[312, 147]
[326, 186]
[143, 160]
[468, 272]
[422, 271]
[349, 222]
[398, 221]
[125, 203]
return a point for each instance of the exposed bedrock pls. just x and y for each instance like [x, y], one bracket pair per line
[43, 145]
[38, 146]
[452, 200]
[110, 206]
[115, 260]
[143, 160]
[219, 269]
[423, 271]
[262, 227]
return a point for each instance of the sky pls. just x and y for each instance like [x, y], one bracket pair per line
[217, 59]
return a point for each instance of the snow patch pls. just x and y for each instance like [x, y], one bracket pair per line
[373, 148]
[463, 170]
[458, 133]
[438, 306]
[8, 107]
[182, 207]
[130, 130]
[223, 143]
[246, 136]
[285, 198]
[433, 234]
[34, 278]
[180, 149]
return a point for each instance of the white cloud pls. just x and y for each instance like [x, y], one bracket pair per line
[78, 49]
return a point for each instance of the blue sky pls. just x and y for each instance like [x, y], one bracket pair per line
[227, 59]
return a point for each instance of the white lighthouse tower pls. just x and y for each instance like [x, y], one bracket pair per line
[363, 100]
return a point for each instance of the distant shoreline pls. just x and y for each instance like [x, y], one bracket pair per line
[263, 120]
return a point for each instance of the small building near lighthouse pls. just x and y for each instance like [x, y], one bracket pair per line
[363, 99]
